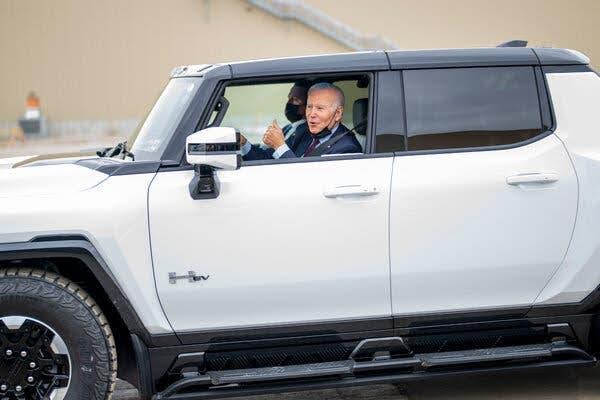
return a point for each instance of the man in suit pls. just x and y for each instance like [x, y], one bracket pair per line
[325, 133]
[295, 109]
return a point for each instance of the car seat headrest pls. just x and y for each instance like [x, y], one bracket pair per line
[360, 110]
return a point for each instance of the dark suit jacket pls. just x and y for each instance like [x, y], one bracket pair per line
[301, 140]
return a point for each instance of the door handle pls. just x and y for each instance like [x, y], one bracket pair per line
[350, 191]
[536, 178]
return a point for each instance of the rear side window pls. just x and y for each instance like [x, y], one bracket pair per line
[471, 107]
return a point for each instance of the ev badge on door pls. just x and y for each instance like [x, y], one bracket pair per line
[191, 277]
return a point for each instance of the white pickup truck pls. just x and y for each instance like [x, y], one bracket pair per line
[464, 237]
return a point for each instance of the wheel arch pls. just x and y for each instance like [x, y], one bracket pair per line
[75, 258]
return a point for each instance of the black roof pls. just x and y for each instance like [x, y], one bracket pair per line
[462, 57]
[343, 62]
[401, 59]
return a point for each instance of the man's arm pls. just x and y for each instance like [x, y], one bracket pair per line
[348, 148]
[275, 139]
[251, 151]
[347, 145]
[255, 152]
[283, 151]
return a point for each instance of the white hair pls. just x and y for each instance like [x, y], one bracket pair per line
[339, 94]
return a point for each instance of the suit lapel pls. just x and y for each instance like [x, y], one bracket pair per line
[303, 143]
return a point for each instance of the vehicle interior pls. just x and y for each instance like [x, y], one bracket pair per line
[251, 107]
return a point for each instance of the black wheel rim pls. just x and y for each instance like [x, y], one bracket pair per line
[34, 360]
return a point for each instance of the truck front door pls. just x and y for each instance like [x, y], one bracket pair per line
[284, 242]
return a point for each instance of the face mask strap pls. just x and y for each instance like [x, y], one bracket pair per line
[332, 119]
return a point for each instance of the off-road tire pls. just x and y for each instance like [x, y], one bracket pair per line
[73, 315]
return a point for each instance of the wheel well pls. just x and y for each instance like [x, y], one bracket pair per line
[77, 271]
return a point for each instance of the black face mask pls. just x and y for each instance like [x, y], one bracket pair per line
[292, 112]
[325, 131]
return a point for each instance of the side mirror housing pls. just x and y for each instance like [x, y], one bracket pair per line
[217, 147]
[207, 150]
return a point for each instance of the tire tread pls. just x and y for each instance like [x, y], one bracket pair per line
[64, 286]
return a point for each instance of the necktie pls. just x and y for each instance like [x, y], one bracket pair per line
[313, 144]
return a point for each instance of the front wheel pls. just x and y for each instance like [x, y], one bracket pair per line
[55, 342]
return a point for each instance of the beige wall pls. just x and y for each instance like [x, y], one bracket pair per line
[475, 23]
[107, 60]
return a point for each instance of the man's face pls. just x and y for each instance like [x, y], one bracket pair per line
[296, 104]
[322, 111]
[297, 96]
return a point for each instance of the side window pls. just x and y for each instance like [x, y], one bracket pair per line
[471, 107]
[252, 108]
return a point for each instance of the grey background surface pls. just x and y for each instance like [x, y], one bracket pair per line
[543, 384]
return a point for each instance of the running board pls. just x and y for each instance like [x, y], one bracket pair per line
[516, 353]
[242, 382]
[336, 368]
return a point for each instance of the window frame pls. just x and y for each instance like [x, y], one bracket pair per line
[388, 102]
[372, 75]
[545, 109]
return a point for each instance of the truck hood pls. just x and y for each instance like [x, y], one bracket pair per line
[57, 158]
[39, 179]
[10, 162]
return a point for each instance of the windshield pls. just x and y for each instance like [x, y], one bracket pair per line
[152, 138]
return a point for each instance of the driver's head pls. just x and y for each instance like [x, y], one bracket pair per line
[324, 107]
[295, 108]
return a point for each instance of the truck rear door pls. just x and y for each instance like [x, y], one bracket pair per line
[484, 199]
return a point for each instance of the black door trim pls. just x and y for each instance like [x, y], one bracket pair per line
[285, 331]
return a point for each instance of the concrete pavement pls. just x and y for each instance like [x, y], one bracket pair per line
[549, 384]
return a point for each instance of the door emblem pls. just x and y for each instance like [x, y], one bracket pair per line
[191, 277]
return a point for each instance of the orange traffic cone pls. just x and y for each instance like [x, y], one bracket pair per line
[32, 121]
[32, 106]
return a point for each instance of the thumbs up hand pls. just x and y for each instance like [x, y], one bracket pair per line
[273, 136]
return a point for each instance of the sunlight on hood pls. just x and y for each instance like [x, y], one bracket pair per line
[14, 162]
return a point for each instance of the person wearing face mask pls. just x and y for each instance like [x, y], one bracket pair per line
[295, 109]
[325, 133]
